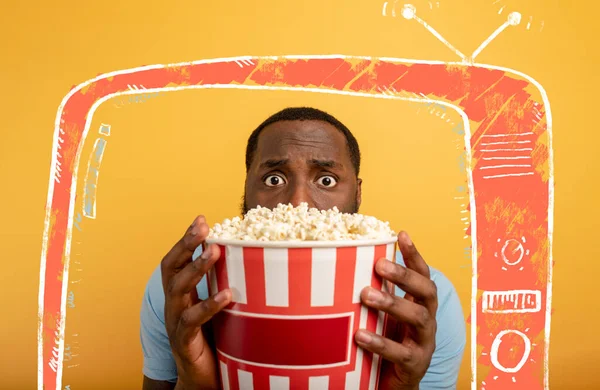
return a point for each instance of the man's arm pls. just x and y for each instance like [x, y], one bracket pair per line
[451, 338]
[160, 370]
[151, 384]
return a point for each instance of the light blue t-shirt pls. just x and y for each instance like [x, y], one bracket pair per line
[159, 363]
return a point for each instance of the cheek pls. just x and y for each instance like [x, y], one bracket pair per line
[344, 198]
[250, 195]
[268, 199]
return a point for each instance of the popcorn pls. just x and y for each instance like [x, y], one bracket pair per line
[289, 223]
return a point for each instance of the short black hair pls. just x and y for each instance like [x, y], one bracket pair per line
[304, 114]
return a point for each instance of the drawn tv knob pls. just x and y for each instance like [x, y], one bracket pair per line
[512, 252]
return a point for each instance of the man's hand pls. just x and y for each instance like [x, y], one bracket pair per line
[185, 314]
[409, 341]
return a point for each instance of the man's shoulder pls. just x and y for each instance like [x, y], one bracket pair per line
[154, 296]
[159, 363]
[444, 285]
[451, 336]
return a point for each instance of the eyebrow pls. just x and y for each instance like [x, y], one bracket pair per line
[275, 163]
[324, 163]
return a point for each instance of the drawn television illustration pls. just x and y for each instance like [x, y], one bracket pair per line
[507, 128]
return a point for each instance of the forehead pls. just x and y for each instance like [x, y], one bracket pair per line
[312, 138]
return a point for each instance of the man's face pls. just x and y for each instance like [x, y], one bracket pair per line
[302, 161]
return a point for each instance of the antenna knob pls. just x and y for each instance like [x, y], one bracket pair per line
[409, 11]
[514, 18]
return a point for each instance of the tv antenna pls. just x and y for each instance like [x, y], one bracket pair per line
[409, 12]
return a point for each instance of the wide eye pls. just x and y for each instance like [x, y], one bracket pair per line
[327, 181]
[274, 180]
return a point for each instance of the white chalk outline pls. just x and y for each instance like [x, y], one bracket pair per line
[505, 143]
[508, 175]
[104, 129]
[508, 158]
[508, 150]
[514, 18]
[506, 166]
[496, 346]
[485, 307]
[508, 135]
[67, 252]
[96, 178]
[521, 256]
[489, 40]
[409, 11]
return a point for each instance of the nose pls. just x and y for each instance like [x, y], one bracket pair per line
[300, 193]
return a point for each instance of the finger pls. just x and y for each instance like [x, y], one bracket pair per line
[422, 288]
[199, 314]
[394, 330]
[402, 310]
[412, 257]
[175, 305]
[390, 287]
[194, 237]
[188, 278]
[182, 251]
[181, 292]
[392, 351]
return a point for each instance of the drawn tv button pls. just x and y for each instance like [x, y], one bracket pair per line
[512, 301]
[512, 252]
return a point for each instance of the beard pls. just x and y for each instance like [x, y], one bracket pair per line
[352, 208]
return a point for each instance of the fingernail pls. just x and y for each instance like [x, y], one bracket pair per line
[195, 229]
[222, 296]
[407, 239]
[363, 337]
[388, 266]
[390, 287]
[374, 295]
[205, 253]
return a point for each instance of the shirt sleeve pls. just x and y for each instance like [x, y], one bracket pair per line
[159, 363]
[451, 338]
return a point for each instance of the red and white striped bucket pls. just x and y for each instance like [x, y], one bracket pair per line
[295, 310]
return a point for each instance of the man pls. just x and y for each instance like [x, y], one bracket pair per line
[301, 155]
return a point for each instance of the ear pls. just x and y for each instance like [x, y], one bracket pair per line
[358, 193]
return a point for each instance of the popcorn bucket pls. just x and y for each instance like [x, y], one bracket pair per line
[295, 310]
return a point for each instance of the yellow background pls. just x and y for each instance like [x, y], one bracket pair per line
[167, 159]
